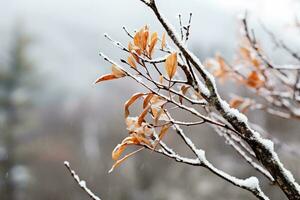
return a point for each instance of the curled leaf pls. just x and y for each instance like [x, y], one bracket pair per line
[118, 162]
[116, 153]
[171, 65]
[143, 115]
[105, 78]
[162, 133]
[147, 100]
[132, 99]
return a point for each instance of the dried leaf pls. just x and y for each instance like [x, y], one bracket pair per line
[116, 71]
[157, 114]
[144, 39]
[163, 41]
[106, 78]
[147, 99]
[142, 139]
[131, 61]
[116, 153]
[143, 115]
[137, 39]
[236, 102]
[254, 80]
[153, 42]
[132, 48]
[256, 63]
[116, 164]
[223, 70]
[183, 90]
[141, 38]
[162, 133]
[132, 99]
[161, 78]
[245, 53]
[171, 65]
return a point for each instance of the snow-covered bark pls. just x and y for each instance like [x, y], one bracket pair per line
[262, 148]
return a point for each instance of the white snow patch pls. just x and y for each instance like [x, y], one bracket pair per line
[233, 111]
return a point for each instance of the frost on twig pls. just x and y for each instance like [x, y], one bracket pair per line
[196, 95]
[266, 155]
[80, 182]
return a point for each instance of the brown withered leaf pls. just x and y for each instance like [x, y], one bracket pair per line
[143, 115]
[117, 71]
[131, 61]
[245, 53]
[152, 44]
[145, 36]
[141, 138]
[254, 80]
[183, 90]
[256, 63]
[137, 39]
[163, 41]
[147, 100]
[236, 102]
[161, 78]
[242, 104]
[118, 162]
[106, 78]
[132, 99]
[223, 71]
[171, 65]
[140, 39]
[118, 150]
[162, 133]
[157, 114]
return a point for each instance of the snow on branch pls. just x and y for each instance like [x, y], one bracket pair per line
[263, 148]
[80, 182]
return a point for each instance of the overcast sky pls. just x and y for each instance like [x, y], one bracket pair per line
[68, 34]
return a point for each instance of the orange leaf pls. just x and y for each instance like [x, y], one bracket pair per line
[171, 65]
[137, 39]
[143, 115]
[147, 99]
[183, 90]
[153, 41]
[116, 153]
[161, 78]
[106, 78]
[132, 99]
[245, 52]
[163, 41]
[116, 71]
[157, 114]
[144, 39]
[131, 61]
[136, 49]
[254, 80]
[141, 38]
[236, 102]
[255, 63]
[162, 133]
[116, 164]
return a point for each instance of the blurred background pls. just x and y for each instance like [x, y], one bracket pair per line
[50, 111]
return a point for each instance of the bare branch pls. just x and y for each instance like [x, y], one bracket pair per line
[80, 182]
